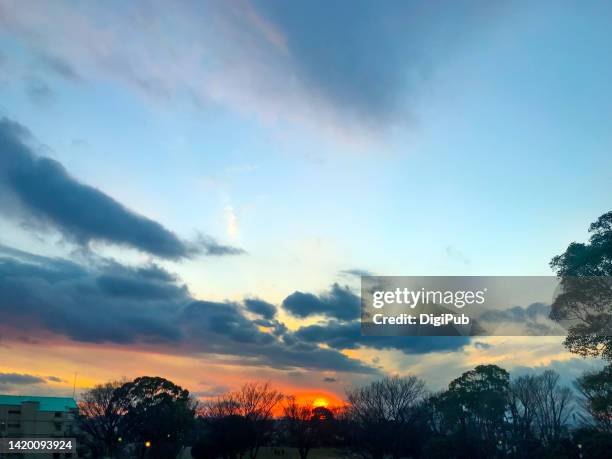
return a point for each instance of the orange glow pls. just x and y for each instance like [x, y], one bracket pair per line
[317, 402]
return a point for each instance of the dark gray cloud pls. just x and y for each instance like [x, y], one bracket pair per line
[260, 307]
[109, 303]
[212, 248]
[9, 381]
[343, 331]
[44, 192]
[219, 327]
[129, 305]
[482, 345]
[112, 303]
[330, 380]
[347, 335]
[339, 303]
[55, 379]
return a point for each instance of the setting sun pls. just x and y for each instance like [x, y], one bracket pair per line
[318, 402]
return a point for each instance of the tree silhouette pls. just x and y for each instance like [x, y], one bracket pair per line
[158, 415]
[381, 415]
[100, 417]
[300, 426]
[472, 411]
[596, 389]
[585, 303]
[254, 403]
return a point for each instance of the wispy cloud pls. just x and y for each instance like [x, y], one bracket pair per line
[361, 76]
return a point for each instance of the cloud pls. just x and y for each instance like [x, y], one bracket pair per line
[343, 331]
[355, 272]
[212, 248]
[358, 67]
[45, 193]
[568, 370]
[9, 380]
[209, 391]
[55, 379]
[330, 380]
[456, 255]
[221, 328]
[145, 306]
[532, 320]
[260, 307]
[347, 335]
[107, 303]
[339, 303]
[39, 92]
[354, 64]
[59, 67]
[363, 62]
[482, 345]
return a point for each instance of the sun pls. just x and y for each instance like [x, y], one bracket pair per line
[320, 402]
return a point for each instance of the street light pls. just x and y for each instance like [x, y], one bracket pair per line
[147, 444]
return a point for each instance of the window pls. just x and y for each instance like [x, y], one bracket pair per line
[58, 414]
[14, 425]
[14, 411]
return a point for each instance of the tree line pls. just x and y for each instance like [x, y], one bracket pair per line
[482, 414]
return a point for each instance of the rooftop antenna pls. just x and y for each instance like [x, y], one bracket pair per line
[74, 385]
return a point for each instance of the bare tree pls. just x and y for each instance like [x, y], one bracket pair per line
[539, 407]
[257, 400]
[100, 416]
[522, 404]
[382, 413]
[254, 402]
[553, 405]
[221, 406]
[300, 427]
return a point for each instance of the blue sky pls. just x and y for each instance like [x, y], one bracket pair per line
[400, 138]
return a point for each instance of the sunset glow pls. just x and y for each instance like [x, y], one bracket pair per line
[320, 402]
[197, 190]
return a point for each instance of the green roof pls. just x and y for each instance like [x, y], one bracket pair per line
[46, 403]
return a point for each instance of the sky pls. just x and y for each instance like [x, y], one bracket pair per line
[193, 190]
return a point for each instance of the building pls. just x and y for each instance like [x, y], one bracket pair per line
[37, 417]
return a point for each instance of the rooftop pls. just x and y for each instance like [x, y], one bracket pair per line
[46, 403]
